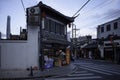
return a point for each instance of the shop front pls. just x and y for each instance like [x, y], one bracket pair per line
[55, 53]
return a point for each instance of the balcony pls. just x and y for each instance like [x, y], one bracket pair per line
[51, 37]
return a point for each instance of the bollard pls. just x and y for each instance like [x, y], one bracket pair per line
[31, 71]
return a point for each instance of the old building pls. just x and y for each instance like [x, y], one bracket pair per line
[91, 50]
[54, 32]
[81, 46]
[46, 33]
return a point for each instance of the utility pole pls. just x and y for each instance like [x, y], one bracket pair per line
[74, 39]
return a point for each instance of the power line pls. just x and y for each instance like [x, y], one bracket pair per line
[108, 17]
[97, 6]
[23, 5]
[116, 13]
[81, 8]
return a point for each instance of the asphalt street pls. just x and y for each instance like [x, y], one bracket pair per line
[87, 69]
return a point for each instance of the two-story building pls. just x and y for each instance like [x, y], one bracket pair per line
[109, 39]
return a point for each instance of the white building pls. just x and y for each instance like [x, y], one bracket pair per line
[109, 28]
[109, 36]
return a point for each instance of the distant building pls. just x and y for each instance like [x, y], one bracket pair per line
[8, 28]
[80, 43]
[108, 35]
[84, 39]
[91, 50]
[22, 36]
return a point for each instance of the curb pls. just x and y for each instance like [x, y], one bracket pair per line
[41, 77]
[29, 77]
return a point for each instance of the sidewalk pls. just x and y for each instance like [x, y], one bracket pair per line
[24, 74]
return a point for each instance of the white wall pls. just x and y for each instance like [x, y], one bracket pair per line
[20, 54]
[68, 37]
[101, 48]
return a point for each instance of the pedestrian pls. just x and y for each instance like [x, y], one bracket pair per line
[63, 57]
[72, 57]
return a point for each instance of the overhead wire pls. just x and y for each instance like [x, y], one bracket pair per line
[109, 16]
[115, 15]
[23, 6]
[101, 5]
[81, 8]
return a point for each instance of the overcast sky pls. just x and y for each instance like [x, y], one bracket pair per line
[96, 12]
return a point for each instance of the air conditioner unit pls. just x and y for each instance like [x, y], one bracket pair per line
[33, 20]
[33, 16]
[33, 10]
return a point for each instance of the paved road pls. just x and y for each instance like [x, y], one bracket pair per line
[92, 70]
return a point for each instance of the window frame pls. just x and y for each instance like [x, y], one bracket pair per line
[108, 27]
[115, 25]
[102, 29]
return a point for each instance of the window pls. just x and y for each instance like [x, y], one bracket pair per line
[108, 27]
[115, 25]
[57, 28]
[50, 26]
[46, 24]
[62, 29]
[53, 26]
[102, 29]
